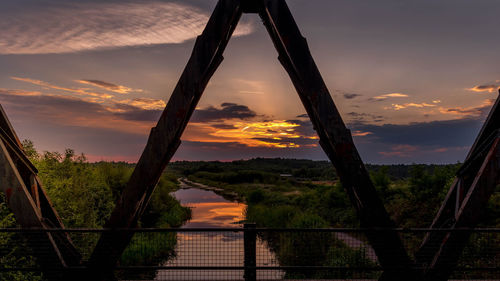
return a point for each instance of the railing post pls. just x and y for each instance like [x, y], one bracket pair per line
[250, 244]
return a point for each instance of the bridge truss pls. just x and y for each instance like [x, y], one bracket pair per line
[438, 253]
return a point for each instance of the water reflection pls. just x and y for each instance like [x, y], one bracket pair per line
[198, 249]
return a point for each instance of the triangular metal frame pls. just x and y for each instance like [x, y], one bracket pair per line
[438, 253]
[335, 138]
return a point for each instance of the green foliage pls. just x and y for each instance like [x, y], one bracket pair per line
[14, 249]
[77, 189]
[29, 150]
[412, 195]
[84, 194]
[381, 181]
[163, 209]
[255, 196]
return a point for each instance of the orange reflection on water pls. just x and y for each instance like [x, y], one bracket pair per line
[216, 214]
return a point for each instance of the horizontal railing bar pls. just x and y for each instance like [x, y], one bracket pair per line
[377, 268]
[333, 230]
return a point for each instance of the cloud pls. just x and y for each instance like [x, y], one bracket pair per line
[81, 26]
[60, 88]
[402, 150]
[391, 95]
[226, 111]
[472, 111]
[223, 126]
[133, 113]
[423, 142]
[254, 133]
[492, 87]
[75, 111]
[461, 132]
[396, 106]
[305, 128]
[109, 86]
[118, 106]
[287, 142]
[409, 153]
[358, 133]
[144, 103]
[195, 150]
[350, 96]
[356, 117]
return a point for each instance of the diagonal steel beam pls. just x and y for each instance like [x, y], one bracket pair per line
[336, 139]
[463, 186]
[31, 206]
[483, 186]
[164, 139]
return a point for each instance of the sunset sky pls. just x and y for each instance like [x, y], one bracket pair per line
[413, 80]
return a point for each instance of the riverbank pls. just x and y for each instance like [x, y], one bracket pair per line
[229, 195]
[212, 249]
[291, 249]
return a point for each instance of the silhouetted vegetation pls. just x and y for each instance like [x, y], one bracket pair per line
[287, 193]
[280, 193]
[84, 195]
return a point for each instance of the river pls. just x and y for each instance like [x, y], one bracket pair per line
[210, 210]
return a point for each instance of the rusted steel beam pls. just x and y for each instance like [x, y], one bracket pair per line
[448, 213]
[164, 139]
[483, 186]
[336, 139]
[30, 205]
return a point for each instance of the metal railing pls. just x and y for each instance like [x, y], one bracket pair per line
[248, 253]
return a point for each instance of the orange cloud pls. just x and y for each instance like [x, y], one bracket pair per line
[55, 87]
[468, 111]
[274, 133]
[75, 111]
[361, 133]
[141, 103]
[145, 103]
[493, 87]
[396, 106]
[402, 150]
[20, 92]
[109, 86]
[391, 95]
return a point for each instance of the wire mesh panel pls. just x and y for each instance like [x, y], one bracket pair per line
[195, 251]
[247, 254]
[481, 257]
[321, 254]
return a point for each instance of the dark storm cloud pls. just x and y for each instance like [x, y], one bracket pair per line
[356, 117]
[223, 126]
[305, 127]
[350, 96]
[441, 133]
[226, 111]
